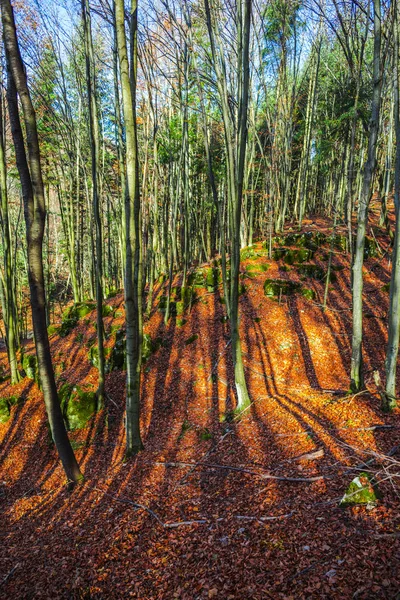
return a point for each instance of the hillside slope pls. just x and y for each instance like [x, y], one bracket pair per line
[217, 505]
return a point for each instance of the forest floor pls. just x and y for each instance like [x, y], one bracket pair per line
[215, 508]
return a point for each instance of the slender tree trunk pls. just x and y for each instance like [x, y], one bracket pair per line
[133, 284]
[389, 398]
[9, 313]
[95, 154]
[356, 376]
[35, 216]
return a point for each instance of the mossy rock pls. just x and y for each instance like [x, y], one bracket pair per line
[213, 277]
[79, 310]
[361, 490]
[277, 287]
[308, 293]
[64, 393]
[370, 248]
[163, 303]
[4, 410]
[299, 255]
[191, 339]
[107, 310]
[249, 253]
[72, 315]
[254, 269]
[79, 408]
[188, 295]
[30, 366]
[196, 278]
[5, 407]
[339, 241]
[311, 271]
[112, 292]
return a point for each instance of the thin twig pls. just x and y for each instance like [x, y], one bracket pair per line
[9, 574]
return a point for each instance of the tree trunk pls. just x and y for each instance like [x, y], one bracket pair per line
[133, 284]
[35, 215]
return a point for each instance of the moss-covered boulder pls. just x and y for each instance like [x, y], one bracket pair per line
[291, 256]
[371, 249]
[311, 271]
[213, 278]
[361, 490]
[338, 240]
[72, 315]
[307, 293]
[280, 287]
[107, 310]
[80, 406]
[4, 410]
[30, 366]
[5, 407]
[249, 253]
[196, 278]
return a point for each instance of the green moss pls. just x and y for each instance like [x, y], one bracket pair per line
[63, 395]
[80, 407]
[72, 315]
[339, 241]
[205, 434]
[311, 271]
[361, 491]
[308, 293]
[107, 310]
[191, 339]
[196, 278]
[187, 295]
[5, 407]
[30, 366]
[277, 287]
[52, 329]
[249, 253]
[180, 307]
[212, 279]
[4, 410]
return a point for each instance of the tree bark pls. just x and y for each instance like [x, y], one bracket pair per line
[30, 173]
